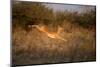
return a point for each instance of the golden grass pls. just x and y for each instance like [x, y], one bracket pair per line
[34, 47]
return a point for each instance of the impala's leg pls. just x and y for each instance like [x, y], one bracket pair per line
[61, 38]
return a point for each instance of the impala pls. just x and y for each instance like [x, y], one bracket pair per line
[54, 35]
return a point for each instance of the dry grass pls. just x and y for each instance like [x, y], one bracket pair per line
[34, 47]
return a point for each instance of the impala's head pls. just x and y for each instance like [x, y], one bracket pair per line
[39, 27]
[32, 25]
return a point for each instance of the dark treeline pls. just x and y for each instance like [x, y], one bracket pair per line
[25, 13]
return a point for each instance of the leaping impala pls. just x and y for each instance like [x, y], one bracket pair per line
[55, 35]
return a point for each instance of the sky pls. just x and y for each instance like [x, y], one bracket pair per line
[70, 7]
